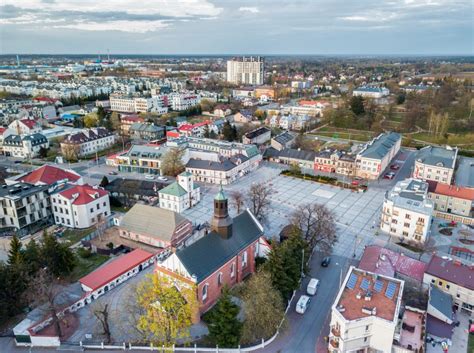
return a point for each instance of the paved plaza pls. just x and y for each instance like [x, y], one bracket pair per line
[357, 214]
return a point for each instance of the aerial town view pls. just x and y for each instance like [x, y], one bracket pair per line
[268, 176]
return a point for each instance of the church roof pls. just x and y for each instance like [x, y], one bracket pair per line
[208, 254]
[220, 195]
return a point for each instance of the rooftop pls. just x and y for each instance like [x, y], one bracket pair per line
[451, 270]
[49, 174]
[380, 146]
[438, 156]
[411, 194]
[81, 194]
[257, 132]
[465, 172]
[411, 333]
[451, 190]
[284, 137]
[114, 269]
[379, 296]
[20, 190]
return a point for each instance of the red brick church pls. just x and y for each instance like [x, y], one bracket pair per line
[225, 256]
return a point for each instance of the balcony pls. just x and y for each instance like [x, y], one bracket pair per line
[335, 332]
[334, 343]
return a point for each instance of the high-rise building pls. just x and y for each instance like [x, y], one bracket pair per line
[245, 70]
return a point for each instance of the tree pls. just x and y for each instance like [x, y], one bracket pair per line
[401, 98]
[357, 105]
[259, 199]
[225, 329]
[13, 283]
[101, 312]
[101, 114]
[228, 132]
[286, 262]
[237, 199]
[166, 310]
[317, 226]
[33, 258]
[91, 120]
[15, 254]
[104, 182]
[115, 121]
[58, 258]
[263, 308]
[206, 131]
[70, 151]
[172, 163]
[207, 105]
[43, 152]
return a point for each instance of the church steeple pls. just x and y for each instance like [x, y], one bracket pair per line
[221, 222]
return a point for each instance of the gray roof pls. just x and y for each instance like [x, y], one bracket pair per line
[209, 253]
[465, 172]
[224, 165]
[441, 301]
[146, 127]
[17, 140]
[298, 154]
[153, 221]
[21, 190]
[284, 138]
[380, 146]
[437, 156]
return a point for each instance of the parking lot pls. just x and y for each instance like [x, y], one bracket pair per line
[357, 214]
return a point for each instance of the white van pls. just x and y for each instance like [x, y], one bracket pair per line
[302, 304]
[149, 177]
[312, 286]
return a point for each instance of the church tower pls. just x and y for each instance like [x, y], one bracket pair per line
[221, 222]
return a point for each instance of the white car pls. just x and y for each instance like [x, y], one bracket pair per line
[302, 304]
[162, 178]
[149, 177]
[312, 286]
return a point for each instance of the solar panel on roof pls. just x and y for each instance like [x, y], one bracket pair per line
[390, 291]
[365, 284]
[352, 281]
[378, 286]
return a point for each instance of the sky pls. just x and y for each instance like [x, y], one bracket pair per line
[313, 27]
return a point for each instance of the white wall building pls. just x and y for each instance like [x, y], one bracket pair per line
[79, 206]
[129, 104]
[436, 164]
[24, 146]
[246, 70]
[371, 92]
[183, 101]
[25, 127]
[407, 211]
[180, 195]
[87, 142]
[364, 315]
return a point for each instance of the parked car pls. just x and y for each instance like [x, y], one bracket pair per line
[18, 162]
[162, 178]
[389, 175]
[312, 286]
[395, 167]
[326, 261]
[302, 304]
[149, 177]
[355, 182]
[113, 173]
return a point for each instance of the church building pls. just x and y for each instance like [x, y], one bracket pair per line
[224, 256]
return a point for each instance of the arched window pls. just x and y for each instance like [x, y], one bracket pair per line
[232, 270]
[204, 292]
[219, 279]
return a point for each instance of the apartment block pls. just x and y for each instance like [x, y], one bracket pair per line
[407, 211]
[246, 70]
[436, 164]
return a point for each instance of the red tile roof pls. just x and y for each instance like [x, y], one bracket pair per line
[454, 191]
[48, 175]
[83, 194]
[393, 263]
[46, 99]
[2, 130]
[29, 122]
[453, 271]
[114, 269]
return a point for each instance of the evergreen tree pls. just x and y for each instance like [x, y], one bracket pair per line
[207, 133]
[234, 133]
[225, 328]
[104, 182]
[59, 259]
[32, 257]
[15, 254]
[357, 105]
[228, 132]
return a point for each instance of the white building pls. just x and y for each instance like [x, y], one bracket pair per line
[183, 101]
[79, 206]
[246, 70]
[24, 146]
[407, 211]
[180, 195]
[436, 164]
[129, 104]
[364, 315]
[371, 92]
[25, 127]
[376, 155]
[87, 142]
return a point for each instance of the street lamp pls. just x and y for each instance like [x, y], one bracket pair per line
[356, 243]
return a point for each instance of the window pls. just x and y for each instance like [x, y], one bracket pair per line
[407, 216]
[244, 259]
[232, 270]
[204, 292]
[432, 281]
[92, 210]
[405, 233]
[219, 279]
[440, 283]
[406, 225]
[367, 328]
[98, 206]
[365, 339]
[447, 286]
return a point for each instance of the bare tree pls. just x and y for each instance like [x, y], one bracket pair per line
[172, 163]
[317, 226]
[238, 200]
[101, 312]
[70, 151]
[45, 293]
[259, 199]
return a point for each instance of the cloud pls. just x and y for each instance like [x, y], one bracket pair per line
[251, 9]
[94, 15]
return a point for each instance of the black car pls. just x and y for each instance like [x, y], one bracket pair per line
[326, 261]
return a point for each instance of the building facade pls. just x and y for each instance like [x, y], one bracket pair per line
[246, 70]
[180, 195]
[87, 142]
[407, 211]
[436, 164]
[258, 136]
[24, 146]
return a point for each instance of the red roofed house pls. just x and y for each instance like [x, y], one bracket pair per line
[453, 277]
[112, 274]
[193, 130]
[49, 175]
[389, 263]
[25, 127]
[79, 206]
[126, 121]
[452, 199]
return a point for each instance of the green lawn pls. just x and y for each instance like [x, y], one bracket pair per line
[464, 141]
[359, 136]
[86, 265]
[470, 344]
[72, 236]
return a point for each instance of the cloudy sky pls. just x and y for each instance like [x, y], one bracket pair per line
[236, 27]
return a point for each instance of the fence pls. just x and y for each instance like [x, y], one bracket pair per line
[194, 348]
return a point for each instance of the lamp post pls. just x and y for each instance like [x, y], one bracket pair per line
[356, 243]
